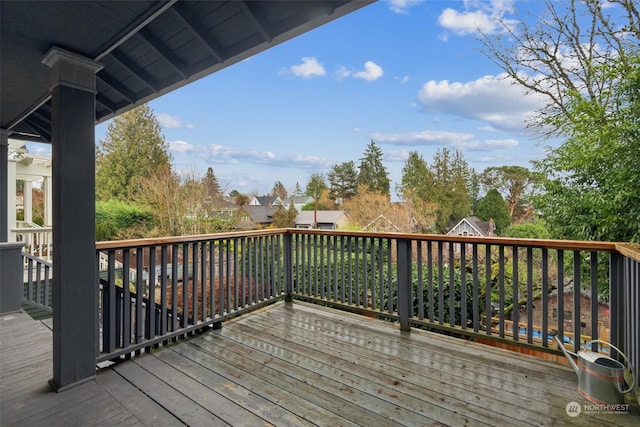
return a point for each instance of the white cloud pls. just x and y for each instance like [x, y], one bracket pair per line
[426, 137]
[488, 145]
[458, 140]
[181, 147]
[170, 122]
[342, 73]
[478, 16]
[396, 155]
[492, 99]
[309, 68]
[219, 154]
[371, 72]
[401, 6]
[402, 80]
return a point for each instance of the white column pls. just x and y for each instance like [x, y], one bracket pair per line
[4, 198]
[11, 200]
[48, 209]
[28, 201]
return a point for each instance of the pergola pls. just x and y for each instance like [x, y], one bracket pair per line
[67, 65]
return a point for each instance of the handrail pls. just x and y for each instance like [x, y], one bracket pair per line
[507, 241]
[438, 282]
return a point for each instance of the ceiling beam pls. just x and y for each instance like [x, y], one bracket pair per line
[106, 103]
[147, 36]
[135, 26]
[115, 85]
[131, 66]
[191, 23]
[39, 128]
[257, 18]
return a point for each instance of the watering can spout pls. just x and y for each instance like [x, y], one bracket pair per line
[568, 354]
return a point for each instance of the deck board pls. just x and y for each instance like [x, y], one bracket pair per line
[294, 365]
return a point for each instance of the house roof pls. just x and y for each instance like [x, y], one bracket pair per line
[148, 48]
[483, 228]
[297, 200]
[323, 217]
[267, 200]
[260, 214]
[381, 223]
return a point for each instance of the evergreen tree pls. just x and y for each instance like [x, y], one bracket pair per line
[372, 172]
[516, 184]
[343, 181]
[297, 190]
[493, 207]
[316, 186]
[285, 218]
[417, 179]
[279, 190]
[211, 184]
[133, 149]
[451, 175]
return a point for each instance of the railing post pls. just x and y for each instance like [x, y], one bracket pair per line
[288, 265]
[11, 277]
[404, 283]
[616, 276]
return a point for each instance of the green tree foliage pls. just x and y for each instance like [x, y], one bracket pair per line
[580, 58]
[493, 207]
[528, 230]
[121, 220]
[593, 186]
[516, 184]
[211, 193]
[211, 185]
[297, 190]
[279, 190]
[316, 186]
[417, 179]
[343, 181]
[416, 189]
[285, 218]
[133, 149]
[372, 172]
[239, 198]
[450, 191]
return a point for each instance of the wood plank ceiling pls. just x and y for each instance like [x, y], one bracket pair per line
[148, 48]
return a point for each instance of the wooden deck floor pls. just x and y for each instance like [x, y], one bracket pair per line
[294, 365]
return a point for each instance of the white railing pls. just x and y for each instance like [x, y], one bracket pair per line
[38, 241]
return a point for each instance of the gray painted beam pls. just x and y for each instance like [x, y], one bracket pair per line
[198, 32]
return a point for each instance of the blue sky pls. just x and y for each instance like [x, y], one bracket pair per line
[406, 73]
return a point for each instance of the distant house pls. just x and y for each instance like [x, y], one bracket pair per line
[255, 217]
[268, 201]
[472, 226]
[325, 220]
[381, 224]
[568, 315]
[298, 202]
[223, 209]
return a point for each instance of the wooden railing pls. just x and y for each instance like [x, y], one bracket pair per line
[183, 285]
[491, 289]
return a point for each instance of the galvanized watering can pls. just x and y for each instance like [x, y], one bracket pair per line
[600, 378]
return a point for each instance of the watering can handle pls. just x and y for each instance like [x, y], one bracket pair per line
[627, 364]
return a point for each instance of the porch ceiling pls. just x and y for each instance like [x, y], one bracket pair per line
[148, 48]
